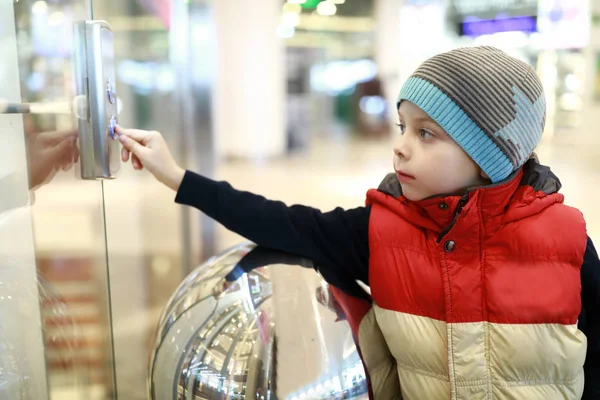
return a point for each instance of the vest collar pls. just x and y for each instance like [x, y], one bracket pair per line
[533, 181]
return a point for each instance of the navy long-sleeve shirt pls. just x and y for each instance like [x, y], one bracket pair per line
[338, 243]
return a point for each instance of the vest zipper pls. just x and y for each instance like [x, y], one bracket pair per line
[461, 203]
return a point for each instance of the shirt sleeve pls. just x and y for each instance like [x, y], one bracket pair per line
[589, 322]
[336, 241]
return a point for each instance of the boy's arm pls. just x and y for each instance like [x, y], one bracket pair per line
[336, 241]
[590, 321]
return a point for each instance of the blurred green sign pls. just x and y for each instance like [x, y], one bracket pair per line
[311, 3]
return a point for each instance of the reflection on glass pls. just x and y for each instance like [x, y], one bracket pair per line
[48, 153]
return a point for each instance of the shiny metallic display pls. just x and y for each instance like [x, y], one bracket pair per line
[271, 334]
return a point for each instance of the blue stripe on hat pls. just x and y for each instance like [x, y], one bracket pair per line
[527, 127]
[447, 114]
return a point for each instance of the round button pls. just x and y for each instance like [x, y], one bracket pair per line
[110, 91]
[443, 206]
[112, 124]
[449, 246]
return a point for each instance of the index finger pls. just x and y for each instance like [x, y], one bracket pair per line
[136, 134]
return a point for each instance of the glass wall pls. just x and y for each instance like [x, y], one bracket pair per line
[56, 335]
[70, 248]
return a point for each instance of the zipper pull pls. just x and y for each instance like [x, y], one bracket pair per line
[461, 203]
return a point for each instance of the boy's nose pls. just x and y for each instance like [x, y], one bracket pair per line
[401, 147]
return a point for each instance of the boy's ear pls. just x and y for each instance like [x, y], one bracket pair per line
[484, 175]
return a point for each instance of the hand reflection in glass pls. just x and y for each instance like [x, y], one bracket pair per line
[48, 153]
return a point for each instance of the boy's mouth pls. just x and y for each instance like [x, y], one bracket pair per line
[404, 177]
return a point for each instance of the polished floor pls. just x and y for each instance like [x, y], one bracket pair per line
[142, 227]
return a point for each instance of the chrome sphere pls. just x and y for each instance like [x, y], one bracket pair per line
[253, 323]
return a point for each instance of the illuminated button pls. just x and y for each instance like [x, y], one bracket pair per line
[110, 91]
[112, 125]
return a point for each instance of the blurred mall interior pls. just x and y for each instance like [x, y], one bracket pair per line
[293, 100]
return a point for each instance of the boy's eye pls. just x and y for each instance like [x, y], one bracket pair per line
[402, 128]
[426, 135]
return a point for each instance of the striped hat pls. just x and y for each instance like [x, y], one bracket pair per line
[490, 103]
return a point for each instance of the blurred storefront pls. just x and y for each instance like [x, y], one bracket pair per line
[334, 85]
[553, 36]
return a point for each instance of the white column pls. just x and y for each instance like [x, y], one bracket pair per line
[388, 56]
[406, 35]
[250, 86]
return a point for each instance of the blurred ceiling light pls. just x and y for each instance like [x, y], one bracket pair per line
[292, 8]
[326, 8]
[56, 18]
[39, 7]
[286, 31]
[374, 105]
[290, 19]
[296, 1]
[338, 1]
[572, 82]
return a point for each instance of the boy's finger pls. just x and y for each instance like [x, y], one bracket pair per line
[136, 162]
[131, 145]
[136, 134]
[124, 154]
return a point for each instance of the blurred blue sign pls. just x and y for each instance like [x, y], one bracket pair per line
[473, 26]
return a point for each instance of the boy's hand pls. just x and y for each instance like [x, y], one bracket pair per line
[149, 150]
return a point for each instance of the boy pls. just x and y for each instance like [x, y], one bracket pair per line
[477, 270]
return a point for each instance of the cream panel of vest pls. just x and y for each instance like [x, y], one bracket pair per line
[485, 360]
[537, 353]
[574, 391]
[467, 355]
[416, 386]
[379, 362]
[417, 343]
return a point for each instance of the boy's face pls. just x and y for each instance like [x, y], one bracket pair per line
[428, 161]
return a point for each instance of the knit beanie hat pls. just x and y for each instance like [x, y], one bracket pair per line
[490, 103]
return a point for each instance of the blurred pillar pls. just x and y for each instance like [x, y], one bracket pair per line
[250, 85]
[387, 50]
[592, 95]
[407, 33]
[192, 51]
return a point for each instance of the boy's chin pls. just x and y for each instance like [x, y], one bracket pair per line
[411, 194]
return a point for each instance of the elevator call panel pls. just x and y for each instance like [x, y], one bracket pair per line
[97, 109]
